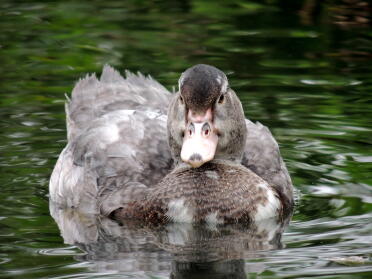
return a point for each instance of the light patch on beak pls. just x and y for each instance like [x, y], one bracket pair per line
[199, 144]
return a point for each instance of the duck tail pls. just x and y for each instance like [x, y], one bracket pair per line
[92, 98]
[80, 108]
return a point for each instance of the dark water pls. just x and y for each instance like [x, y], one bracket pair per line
[303, 68]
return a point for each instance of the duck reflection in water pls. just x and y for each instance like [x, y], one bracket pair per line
[182, 250]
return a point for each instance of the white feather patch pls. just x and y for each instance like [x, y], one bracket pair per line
[224, 86]
[219, 80]
[110, 133]
[212, 174]
[179, 212]
[269, 209]
[212, 219]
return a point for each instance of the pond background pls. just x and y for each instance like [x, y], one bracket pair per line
[302, 68]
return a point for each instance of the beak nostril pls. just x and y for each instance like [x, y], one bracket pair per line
[195, 157]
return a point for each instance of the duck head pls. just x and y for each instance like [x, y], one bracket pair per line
[205, 118]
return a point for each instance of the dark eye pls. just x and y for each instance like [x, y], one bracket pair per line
[221, 99]
[191, 129]
[181, 100]
[206, 129]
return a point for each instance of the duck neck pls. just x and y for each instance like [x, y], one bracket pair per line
[220, 161]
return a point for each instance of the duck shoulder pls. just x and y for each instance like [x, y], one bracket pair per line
[262, 156]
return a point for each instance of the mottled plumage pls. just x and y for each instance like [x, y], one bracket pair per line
[216, 192]
[123, 153]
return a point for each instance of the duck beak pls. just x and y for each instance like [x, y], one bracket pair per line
[200, 140]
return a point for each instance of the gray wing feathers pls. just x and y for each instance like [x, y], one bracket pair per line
[116, 132]
[64, 179]
[113, 197]
[92, 98]
[262, 156]
[125, 143]
[110, 75]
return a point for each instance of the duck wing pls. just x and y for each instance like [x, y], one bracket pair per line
[262, 156]
[116, 131]
[92, 98]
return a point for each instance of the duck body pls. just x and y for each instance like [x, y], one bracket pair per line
[214, 193]
[134, 152]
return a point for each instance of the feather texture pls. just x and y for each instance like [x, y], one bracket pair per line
[118, 156]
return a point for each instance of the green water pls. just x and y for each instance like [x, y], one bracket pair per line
[303, 68]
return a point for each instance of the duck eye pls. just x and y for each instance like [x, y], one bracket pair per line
[206, 129]
[221, 99]
[181, 100]
[191, 129]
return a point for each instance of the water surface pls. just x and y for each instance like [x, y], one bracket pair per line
[303, 70]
